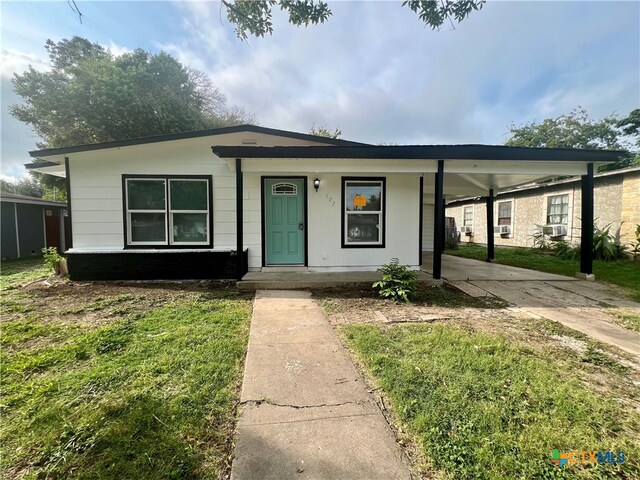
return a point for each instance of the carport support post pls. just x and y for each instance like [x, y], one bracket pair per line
[438, 222]
[239, 219]
[490, 237]
[586, 233]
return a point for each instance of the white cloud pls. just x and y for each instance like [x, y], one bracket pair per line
[15, 61]
[117, 50]
[376, 72]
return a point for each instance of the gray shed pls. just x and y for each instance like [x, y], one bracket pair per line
[28, 224]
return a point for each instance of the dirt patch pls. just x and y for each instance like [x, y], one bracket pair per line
[99, 303]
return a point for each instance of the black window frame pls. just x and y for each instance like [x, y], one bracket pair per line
[383, 212]
[168, 246]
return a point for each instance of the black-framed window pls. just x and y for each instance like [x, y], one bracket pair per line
[504, 213]
[558, 209]
[167, 211]
[467, 219]
[363, 212]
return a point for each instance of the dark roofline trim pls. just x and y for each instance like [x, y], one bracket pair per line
[29, 166]
[185, 135]
[424, 152]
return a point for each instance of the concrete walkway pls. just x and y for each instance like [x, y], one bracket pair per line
[306, 412]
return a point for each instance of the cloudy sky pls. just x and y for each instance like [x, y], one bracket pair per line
[374, 70]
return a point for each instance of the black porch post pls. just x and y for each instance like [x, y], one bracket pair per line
[490, 237]
[586, 234]
[67, 182]
[420, 220]
[443, 245]
[438, 222]
[239, 221]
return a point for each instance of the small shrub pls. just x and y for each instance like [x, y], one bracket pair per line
[398, 282]
[605, 245]
[635, 245]
[566, 250]
[540, 240]
[51, 258]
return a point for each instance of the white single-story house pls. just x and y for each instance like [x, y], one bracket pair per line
[221, 202]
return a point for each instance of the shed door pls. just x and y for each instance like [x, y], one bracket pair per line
[284, 221]
[52, 227]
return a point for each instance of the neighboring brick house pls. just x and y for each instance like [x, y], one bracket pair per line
[522, 210]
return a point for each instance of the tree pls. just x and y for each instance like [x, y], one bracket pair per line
[33, 186]
[577, 130]
[630, 125]
[323, 131]
[91, 96]
[254, 16]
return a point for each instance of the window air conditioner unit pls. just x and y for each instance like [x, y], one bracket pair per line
[502, 230]
[554, 230]
[466, 230]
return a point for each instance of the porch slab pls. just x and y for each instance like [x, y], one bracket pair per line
[292, 280]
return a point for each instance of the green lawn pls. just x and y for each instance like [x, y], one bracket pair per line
[111, 381]
[623, 272]
[481, 406]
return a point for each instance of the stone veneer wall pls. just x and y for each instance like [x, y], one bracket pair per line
[630, 206]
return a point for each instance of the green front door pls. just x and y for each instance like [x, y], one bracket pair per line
[284, 221]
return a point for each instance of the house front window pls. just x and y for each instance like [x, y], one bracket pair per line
[558, 210]
[363, 207]
[504, 213]
[167, 211]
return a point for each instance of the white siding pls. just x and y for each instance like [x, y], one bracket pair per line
[324, 223]
[96, 185]
[427, 227]
[97, 207]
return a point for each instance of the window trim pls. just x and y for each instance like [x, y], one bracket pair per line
[166, 245]
[473, 216]
[382, 213]
[512, 212]
[547, 205]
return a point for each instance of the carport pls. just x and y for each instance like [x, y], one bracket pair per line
[445, 172]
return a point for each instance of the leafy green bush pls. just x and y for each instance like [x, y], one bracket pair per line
[605, 245]
[398, 282]
[635, 245]
[566, 250]
[51, 257]
[540, 240]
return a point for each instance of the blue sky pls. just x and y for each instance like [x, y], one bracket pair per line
[374, 70]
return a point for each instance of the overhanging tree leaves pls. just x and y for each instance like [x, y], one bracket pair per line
[254, 16]
[578, 130]
[323, 131]
[630, 125]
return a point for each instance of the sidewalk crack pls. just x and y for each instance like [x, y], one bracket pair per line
[257, 403]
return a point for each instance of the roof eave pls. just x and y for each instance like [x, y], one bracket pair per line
[48, 152]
